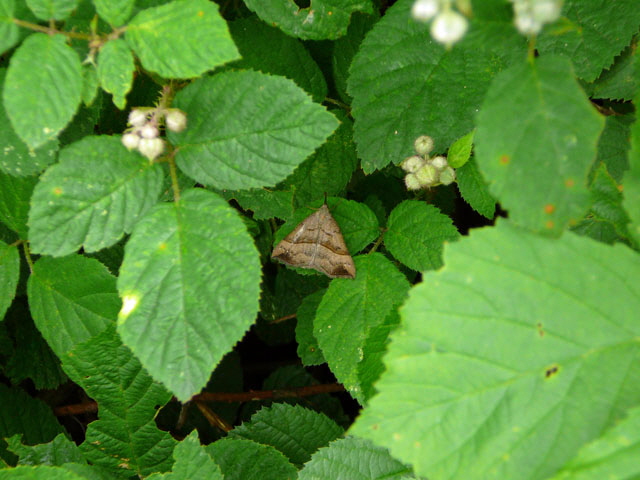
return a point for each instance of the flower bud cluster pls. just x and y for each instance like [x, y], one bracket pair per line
[448, 26]
[424, 171]
[144, 132]
[531, 15]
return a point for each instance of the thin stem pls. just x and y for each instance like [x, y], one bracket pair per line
[27, 256]
[377, 244]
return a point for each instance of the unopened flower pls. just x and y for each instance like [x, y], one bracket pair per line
[425, 10]
[176, 120]
[131, 140]
[449, 27]
[423, 145]
[151, 148]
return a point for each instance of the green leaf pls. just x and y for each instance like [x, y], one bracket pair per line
[71, 299]
[125, 439]
[241, 459]
[182, 39]
[593, 34]
[613, 145]
[262, 202]
[475, 190]
[269, 50]
[424, 85]
[52, 9]
[621, 80]
[58, 451]
[15, 194]
[191, 462]
[115, 70]
[416, 233]
[536, 141]
[190, 289]
[328, 170]
[9, 31]
[23, 414]
[295, 431]
[323, 19]
[613, 455]
[42, 89]
[308, 348]
[631, 200]
[358, 223]
[9, 275]
[92, 197]
[90, 84]
[460, 152]
[41, 472]
[115, 12]
[350, 309]
[501, 348]
[247, 129]
[353, 458]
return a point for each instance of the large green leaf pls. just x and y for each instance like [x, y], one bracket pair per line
[323, 19]
[9, 275]
[52, 9]
[536, 142]
[58, 451]
[511, 357]
[632, 181]
[71, 299]
[116, 12]
[592, 34]
[350, 309]
[426, 89]
[190, 285]
[115, 70]
[181, 39]
[42, 88]
[191, 462]
[39, 472]
[92, 197]
[15, 194]
[9, 31]
[125, 439]
[247, 129]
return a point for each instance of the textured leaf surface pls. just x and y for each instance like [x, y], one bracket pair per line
[52, 9]
[350, 309]
[460, 150]
[115, 70]
[116, 12]
[247, 129]
[308, 348]
[41, 472]
[425, 84]
[621, 80]
[189, 287]
[191, 462]
[353, 459]
[71, 299]
[597, 31]
[9, 31]
[501, 348]
[416, 233]
[632, 182]
[613, 145]
[181, 39]
[323, 19]
[613, 455]
[126, 436]
[92, 197]
[295, 431]
[9, 275]
[269, 50]
[475, 190]
[58, 451]
[242, 459]
[15, 194]
[262, 202]
[536, 141]
[42, 88]
[328, 170]
[17, 159]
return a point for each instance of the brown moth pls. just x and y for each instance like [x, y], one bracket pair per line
[317, 243]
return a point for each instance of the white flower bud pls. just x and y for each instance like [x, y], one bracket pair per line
[137, 118]
[447, 176]
[439, 162]
[130, 140]
[546, 11]
[411, 181]
[176, 120]
[423, 145]
[412, 164]
[151, 147]
[424, 10]
[427, 176]
[449, 27]
[149, 131]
